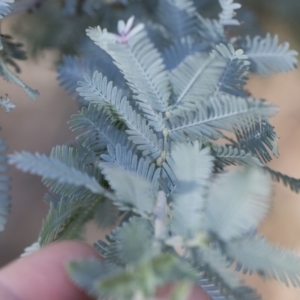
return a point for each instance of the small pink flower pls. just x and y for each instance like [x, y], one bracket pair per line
[124, 30]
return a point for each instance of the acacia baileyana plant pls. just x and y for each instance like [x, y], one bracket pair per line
[151, 159]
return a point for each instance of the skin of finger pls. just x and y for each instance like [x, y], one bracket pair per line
[198, 294]
[42, 275]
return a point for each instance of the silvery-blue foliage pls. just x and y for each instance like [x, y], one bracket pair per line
[157, 151]
[4, 186]
[5, 7]
[9, 52]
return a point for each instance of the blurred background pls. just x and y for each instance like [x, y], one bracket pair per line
[38, 126]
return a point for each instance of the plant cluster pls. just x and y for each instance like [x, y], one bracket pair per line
[173, 154]
[9, 52]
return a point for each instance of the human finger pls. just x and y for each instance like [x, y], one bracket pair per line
[42, 275]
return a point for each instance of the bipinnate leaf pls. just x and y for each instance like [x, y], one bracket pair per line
[228, 12]
[256, 254]
[74, 157]
[259, 138]
[211, 31]
[67, 218]
[216, 262]
[177, 52]
[9, 76]
[224, 112]
[141, 63]
[200, 77]
[58, 217]
[191, 164]
[192, 167]
[52, 168]
[71, 71]
[213, 268]
[235, 73]
[267, 56]
[128, 244]
[74, 227]
[121, 156]
[178, 17]
[230, 155]
[291, 182]
[237, 202]
[98, 90]
[132, 191]
[97, 129]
